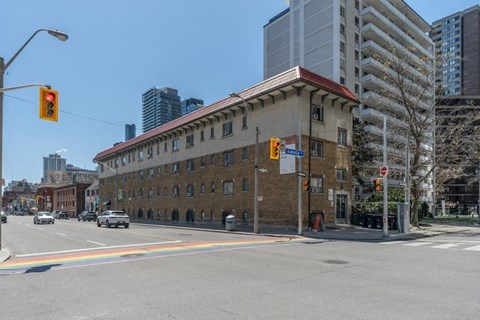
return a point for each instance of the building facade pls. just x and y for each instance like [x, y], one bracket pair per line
[130, 131]
[159, 107]
[201, 167]
[54, 162]
[457, 42]
[349, 42]
[70, 198]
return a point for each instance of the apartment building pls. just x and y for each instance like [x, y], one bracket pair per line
[201, 167]
[457, 41]
[159, 106]
[348, 42]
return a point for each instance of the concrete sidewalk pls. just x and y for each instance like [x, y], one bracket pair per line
[4, 255]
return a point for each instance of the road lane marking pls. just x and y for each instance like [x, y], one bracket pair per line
[446, 245]
[417, 244]
[100, 244]
[61, 234]
[89, 249]
[474, 248]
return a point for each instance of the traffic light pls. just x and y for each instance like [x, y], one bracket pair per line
[306, 185]
[274, 148]
[377, 184]
[48, 107]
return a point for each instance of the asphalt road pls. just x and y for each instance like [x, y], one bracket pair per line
[74, 270]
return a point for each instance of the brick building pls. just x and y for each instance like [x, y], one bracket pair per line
[70, 198]
[201, 166]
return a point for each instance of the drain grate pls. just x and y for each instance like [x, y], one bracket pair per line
[336, 261]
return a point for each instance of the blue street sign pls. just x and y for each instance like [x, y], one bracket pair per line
[295, 152]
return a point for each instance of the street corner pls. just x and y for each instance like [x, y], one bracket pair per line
[4, 255]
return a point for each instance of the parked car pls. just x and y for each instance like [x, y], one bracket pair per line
[87, 215]
[4, 217]
[55, 213]
[63, 215]
[113, 218]
[43, 216]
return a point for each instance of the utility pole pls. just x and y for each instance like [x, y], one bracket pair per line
[385, 180]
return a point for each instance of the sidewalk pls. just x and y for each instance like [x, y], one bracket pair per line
[4, 255]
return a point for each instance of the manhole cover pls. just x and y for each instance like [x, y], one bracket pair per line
[336, 261]
[132, 255]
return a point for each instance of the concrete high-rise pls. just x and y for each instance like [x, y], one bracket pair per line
[159, 107]
[349, 42]
[457, 42]
[54, 162]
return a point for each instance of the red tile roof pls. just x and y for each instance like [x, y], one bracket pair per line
[297, 74]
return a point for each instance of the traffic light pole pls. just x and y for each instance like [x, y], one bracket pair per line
[3, 67]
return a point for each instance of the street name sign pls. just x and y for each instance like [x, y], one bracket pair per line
[295, 152]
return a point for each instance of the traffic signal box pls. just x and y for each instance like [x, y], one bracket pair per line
[306, 185]
[377, 184]
[274, 148]
[48, 106]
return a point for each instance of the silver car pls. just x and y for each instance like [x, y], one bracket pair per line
[43, 216]
[113, 218]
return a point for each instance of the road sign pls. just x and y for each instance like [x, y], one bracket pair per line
[301, 174]
[383, 171]
[295, 152]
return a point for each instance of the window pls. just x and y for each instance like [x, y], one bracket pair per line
[342, 80]
[202, 135]
[202, 162]
[190, 190]
[357, 21]
[357, 71]
[176, 191]
[342, 137]
[175, 168]
[212, 187]
[140, 155]
[150, 193]
[357, 88]
[244, 122]
[357, 38]
[190, 165]
[228, 187]
[150, 152]
[342, 64]
[165, 148]
[212, 159]
[228, 158]
[316, 149]
[342, 174]
[150, 173]
[342, 46]
[190, 141]
[140, 174]
[212, 133]
[165, 191]
[357, 55]
[140, 193]
[342, 11]
[244, 154]
[227, 129]
[175, 145]
[316, 185]
[357, 4]
[124, 161]
[317, 113]
[202, 188]
[244, 185]
[342, 28]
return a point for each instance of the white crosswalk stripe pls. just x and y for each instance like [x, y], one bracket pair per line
[438, 244]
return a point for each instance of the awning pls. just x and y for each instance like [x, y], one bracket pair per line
[107, 203]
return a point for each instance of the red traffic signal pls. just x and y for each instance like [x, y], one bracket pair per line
[48, 104]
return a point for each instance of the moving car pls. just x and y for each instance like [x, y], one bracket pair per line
[3, 217]
[43, 216]
[113, 218]
[87, 215]
[63, 215]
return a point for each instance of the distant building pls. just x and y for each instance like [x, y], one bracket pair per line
[54, 162]
[70, 198]
[190, 105]
[457, 41]
[159, 107]
[130, 131]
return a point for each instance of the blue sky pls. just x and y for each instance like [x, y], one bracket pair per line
[117, 50]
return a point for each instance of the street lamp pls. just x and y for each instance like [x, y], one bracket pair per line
[116, 181]
[255, 188]
[3, 67]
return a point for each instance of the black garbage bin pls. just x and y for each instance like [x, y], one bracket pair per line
[392, 222]
[362, 219]
[378, 221]
[369, 220]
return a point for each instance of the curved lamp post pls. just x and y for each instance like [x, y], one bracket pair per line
[3, 67]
